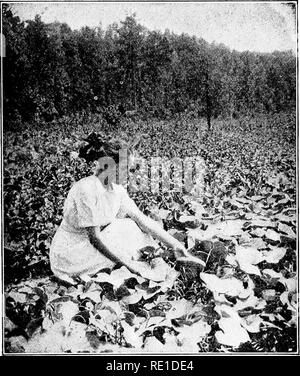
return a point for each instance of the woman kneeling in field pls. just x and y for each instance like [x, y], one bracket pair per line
[102, 226]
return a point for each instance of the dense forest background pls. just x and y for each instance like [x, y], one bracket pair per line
[51, 71]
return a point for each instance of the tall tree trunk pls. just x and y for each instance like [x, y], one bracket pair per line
[208, 104]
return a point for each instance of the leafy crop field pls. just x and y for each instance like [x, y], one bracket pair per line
[244, 216]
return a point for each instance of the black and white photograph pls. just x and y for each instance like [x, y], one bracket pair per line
[149, 179]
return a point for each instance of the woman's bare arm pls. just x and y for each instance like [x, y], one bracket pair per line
[152, 227]
[95, 239]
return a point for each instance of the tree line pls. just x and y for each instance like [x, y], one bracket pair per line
[51, 70]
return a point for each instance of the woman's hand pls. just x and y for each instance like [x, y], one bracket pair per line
[190, 260]
[136, 267]
[183, 257]
[147, 271]
[180, 250]
[133, 268]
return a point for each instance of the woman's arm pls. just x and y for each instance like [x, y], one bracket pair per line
[152, 227]
[95, 239]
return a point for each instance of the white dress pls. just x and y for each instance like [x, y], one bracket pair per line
[90, 204]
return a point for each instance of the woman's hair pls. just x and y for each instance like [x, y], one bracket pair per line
[99, 146]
